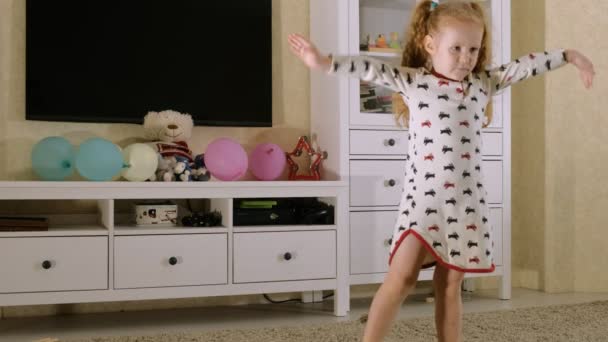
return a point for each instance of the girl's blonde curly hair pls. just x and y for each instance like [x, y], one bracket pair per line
[427, 19]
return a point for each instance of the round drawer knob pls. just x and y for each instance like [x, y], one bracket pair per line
[391, 182]
[172, 260]
[287, 256]
[46, 264]
[391, 142]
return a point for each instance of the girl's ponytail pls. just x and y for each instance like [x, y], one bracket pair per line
[414, 54]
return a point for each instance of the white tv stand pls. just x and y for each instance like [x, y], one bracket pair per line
[109, 261]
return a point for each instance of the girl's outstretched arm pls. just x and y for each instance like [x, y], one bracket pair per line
[583, 64]
[525, 67]
[307, 52]
[396, 78]
[538, 63]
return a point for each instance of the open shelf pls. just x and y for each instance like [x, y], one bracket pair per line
[279, 228]
[159, 230]
[289, 213]
[64, 230]
[381, 54]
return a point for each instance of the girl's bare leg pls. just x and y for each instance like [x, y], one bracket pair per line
[399, 282]
[448, 303]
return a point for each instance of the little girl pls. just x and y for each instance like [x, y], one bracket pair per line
[443, 214]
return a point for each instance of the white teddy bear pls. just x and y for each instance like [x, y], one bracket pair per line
[168, 131]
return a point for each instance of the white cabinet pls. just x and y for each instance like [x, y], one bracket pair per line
[170, 260]
[376, 182]
[278, 256]
[370, 238]
[356, 120]
[493, 173]
[106, 257]
[53, 264]
[378, 142]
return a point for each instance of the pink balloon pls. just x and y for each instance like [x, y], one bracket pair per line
[226, 159]
[267, 161]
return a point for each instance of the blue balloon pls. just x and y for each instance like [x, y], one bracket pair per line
[98, 159]
[53, 158]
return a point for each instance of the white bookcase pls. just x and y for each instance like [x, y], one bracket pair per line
[372, 149]
[107, 259]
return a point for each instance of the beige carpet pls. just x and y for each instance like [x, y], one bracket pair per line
[578, 323]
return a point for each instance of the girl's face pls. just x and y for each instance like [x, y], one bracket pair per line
[454, 49]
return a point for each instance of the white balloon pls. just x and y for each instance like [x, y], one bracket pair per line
[141, 160]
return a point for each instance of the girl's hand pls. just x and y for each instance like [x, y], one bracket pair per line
[308, 53]
[584, 66]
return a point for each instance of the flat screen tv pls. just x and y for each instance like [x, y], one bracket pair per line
[113, 61]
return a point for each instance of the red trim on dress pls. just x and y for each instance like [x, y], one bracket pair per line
[438, 75]
[437, 257]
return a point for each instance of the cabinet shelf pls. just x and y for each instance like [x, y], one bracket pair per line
[63, 230]
[136, 230]
[252, 229]
[381, 54]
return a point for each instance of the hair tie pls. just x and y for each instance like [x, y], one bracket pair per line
[434, 4]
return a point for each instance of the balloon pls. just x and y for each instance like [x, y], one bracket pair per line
[98, 159]
[53, 158]
[267, 161]
[226, 159]
[141, 162]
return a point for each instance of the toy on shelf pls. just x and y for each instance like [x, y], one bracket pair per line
[381, 42]
[366, 44]
[394, 42]
[200, 173]
[381, 45]
[168, 132]
[315, 160]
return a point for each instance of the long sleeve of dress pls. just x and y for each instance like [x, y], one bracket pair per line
[525, 67]
[396, 78]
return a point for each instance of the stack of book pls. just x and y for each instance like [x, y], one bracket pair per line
[21, 224]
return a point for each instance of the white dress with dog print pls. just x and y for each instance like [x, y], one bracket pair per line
[444, 197]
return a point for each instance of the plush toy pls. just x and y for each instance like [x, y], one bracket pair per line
[182, 170]
[199, 170]
[164, 172]
[168, 131]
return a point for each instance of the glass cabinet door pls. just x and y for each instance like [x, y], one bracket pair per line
[381, 27]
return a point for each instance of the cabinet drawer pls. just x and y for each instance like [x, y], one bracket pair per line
[492, 143]
[53, 264]
[280, 256]
[170, 260]
[378, 142]
[496, 221]
[493, 175]
[370, 234]
[376, 182]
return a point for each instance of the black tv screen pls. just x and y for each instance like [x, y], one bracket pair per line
[113, 61]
